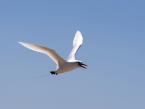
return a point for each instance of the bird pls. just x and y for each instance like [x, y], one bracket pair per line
[62, 65]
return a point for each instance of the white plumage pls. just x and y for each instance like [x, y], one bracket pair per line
[62, 65]
[77, 42]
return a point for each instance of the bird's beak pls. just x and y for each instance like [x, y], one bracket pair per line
[83, 65]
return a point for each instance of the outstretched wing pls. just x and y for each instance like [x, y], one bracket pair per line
[77, 42]
[50, 52]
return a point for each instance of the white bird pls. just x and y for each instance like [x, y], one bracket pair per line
[62, 65]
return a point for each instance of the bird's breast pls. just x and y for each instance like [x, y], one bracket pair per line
[67, 67]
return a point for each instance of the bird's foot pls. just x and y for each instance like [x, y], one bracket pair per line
[53, 73]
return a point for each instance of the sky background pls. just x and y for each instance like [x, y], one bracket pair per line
[114, 49]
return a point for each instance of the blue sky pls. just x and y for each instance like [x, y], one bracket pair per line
[114, 49]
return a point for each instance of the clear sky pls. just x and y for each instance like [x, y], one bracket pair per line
[114, 49]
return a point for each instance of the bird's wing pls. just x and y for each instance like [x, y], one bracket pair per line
[50, 52]
[77, 42]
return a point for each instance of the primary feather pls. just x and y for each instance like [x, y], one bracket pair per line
[50, 52]
[77, 42]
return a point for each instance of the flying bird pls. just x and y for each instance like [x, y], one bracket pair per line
[62, 65]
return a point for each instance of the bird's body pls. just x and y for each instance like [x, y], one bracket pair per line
[67, 66]
[62, 65]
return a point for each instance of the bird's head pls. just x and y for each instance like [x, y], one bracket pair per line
[82, 65]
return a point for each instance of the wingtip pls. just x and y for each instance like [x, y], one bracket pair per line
[78, 31]
[21, 43]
